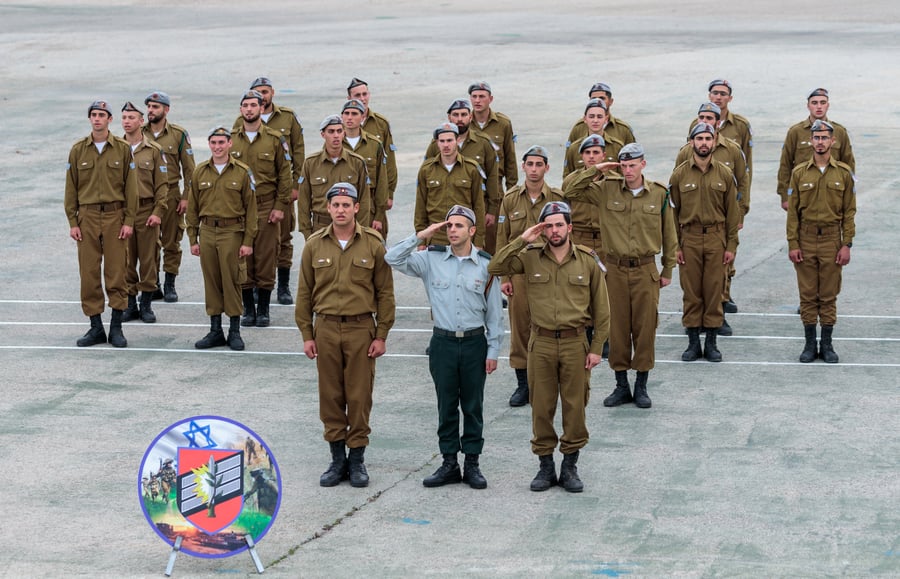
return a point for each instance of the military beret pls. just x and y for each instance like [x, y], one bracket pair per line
[820, 125]
[342, 189]
[594, 140]
[330, 120]
[446, 128]
[252, 94]
[459, 104]
[600, 87]
[130, 108]
[354, 104]
[818, 92]
[710, 108]
[355, 82]
[100, 106]
[219, 131]
[554, 208]
[481, 85]
[594, 103]
[261, 81]
[720, 82]
[703, 128]
[631, 151]
[462, 211]
[537, 151]
[158, 97]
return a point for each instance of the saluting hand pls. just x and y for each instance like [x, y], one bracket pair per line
[429, 231]
[534, 232]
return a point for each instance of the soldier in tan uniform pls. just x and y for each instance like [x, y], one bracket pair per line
[333, 164]
[596, 119]
[153, 189]
[519, 210]
[637, 224]
[707, 213]
[100, 203]
[369, 148]
[345, 309]
[821, 224]
[566, 292]
[585, 215]
[446, 180]
[221, 226]
[615, 127]
[176, 144]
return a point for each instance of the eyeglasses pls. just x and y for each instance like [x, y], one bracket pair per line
[719, 92]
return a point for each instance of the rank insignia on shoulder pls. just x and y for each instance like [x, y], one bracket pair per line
[440, 248]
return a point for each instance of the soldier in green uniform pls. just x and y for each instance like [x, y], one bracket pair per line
[519, 210]
[153, 189]
[221, 225]
[101, 202]
[596, 119]
[616, 128]
[345, 309]
[566, 292]
[820, 229]
[369, 148]
[176, 144]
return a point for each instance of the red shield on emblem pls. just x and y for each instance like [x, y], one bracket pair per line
[210, 487]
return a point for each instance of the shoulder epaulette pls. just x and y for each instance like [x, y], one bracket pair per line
[153, 145]
[242, 165]
[373, 233]
[270, 131]
[502, 116]
[439, 248]
[288, 110]
[515, 190]
[534, 246]
[484, 254]
[316, 234]
[741, 118]
[844, 165]
[592, 253]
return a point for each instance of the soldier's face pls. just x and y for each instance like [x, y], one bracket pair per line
[343, 209]
[595, 118]
[250, 109]
[156, 112]
[459, 231]
[334, 136]
[361, 93]
[708, 118]
[818, 107]
[446, 144]
[535, 169]
[267, 93]
[219, 146]
[603, 96]
[556, 230]
[352, 118]
[131, 121]
[702, 144]
[481, 100]
[632, 171]
[822, 141]
[100, 120]
[461, 118]
[720, 96]
[592, 155]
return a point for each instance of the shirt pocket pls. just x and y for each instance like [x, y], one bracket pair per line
[233, 191]
[265, 162]
[687, 188]
[615, 205]
[146, 165]
[538, 277]
[651, 208]
[361, 269]
[579, 279]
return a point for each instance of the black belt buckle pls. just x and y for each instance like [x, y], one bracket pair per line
[633, 262]
[102, 207]
[705, 228]
[557, 334]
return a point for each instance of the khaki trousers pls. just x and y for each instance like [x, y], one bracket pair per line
[143, 247]
[819, 277]
[223, 271]
[633, 320]
[100, 246]
[702, 278]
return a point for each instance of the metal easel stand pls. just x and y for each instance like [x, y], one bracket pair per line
[175, 548]
[251, 548]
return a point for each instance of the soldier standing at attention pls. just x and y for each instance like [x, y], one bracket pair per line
[596, 119]
[820, 229]
[153, 189]
[100, 203]
[176, 144]
[519, 210]
[369, 148]
[345, 309]
[222, 212]
[466, 306]
[566, 292]
[616, 128]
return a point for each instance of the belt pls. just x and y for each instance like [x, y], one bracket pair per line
[698, 228]
[459, 333]
[146, 201]
[558, 334]
[632, 261]
[220, 221]
[321, 218]
[818, 229]
[113, 206]
[264, 198]
[343, 319]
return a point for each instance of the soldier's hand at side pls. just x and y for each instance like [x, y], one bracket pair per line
[784, 205]
[533, 232]
[377, 226]
[679, 257]
[377, 348]
[309, 348]
[295, 194]
[182, 207]
[664, 281]
[75, 233]
[490, 366]
[195, 249]
[245, 251]
[728, 257]
[843, 256]
[125, 232]
[591, 361]
[275, 216]
[795, 255]
[506, 288]
[489, 220]
[390, 204]
[153, 221]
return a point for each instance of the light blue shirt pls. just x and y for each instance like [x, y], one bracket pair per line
[455, 287]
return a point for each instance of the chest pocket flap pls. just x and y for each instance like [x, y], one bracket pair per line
[579, 279]
[614, 205]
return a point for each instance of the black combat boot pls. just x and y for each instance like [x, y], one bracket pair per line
[249, 318]
[169, 293]
[96, 335]
[234, 333]
[147, 315]
[568, 473]
[622, 393]
[472, 474]
[520, 396]
[725, 329]
[339, 469]
[158, 293]
[284, 287]
[641, 400]
[809, 349]
[710, 350]
[215, 337]
[729, 307]
[262, 308]
[546, 476]
[693, 351]
[116, 337]
[131, 312]
[359, 476]
[447, 473]
[826, 350]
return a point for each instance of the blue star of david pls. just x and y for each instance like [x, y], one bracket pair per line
[191, 435]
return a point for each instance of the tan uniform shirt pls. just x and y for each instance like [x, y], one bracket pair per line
[498, 129]
[615, 128]
[176, 144]
[479, 148]
[229, 195]
[706, 198]
[518, 213]
[319, 173]
[107, 177]
[437, 190]
[372, 150]
[285, 121]
[269, 157]
[822, 199]
[728, 153]
[379, 127]
[574, 161]
[798, 149]
[585, 215]
[152, 179]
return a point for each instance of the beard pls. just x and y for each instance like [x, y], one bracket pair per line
[561, 241]
[251, 120]
[701, 153]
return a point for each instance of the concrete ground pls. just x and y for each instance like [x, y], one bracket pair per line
[758, 466]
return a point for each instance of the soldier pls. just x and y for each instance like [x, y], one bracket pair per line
[466, 338]
[566, 291]
[222, 212]
[379, 127]
[704, 197]
[285, 121]
[344, 281]
[615, 127]
[266, 490]
[596, 119]
[153, 189]
[267, 153]
[519, 210]
[637, 224]
[101, 203]
[798, 150]
[446, 180]
[176, 144]
[369, 148]
[820, 230]
[585, 216]
[498, 128]
[333, 164]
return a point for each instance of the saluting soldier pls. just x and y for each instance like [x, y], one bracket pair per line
[616, 128]
[566, 292]
[596, 118]
[221, 226]
[101, 203]
[585, 216]
[345, 309]
[369, 148]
